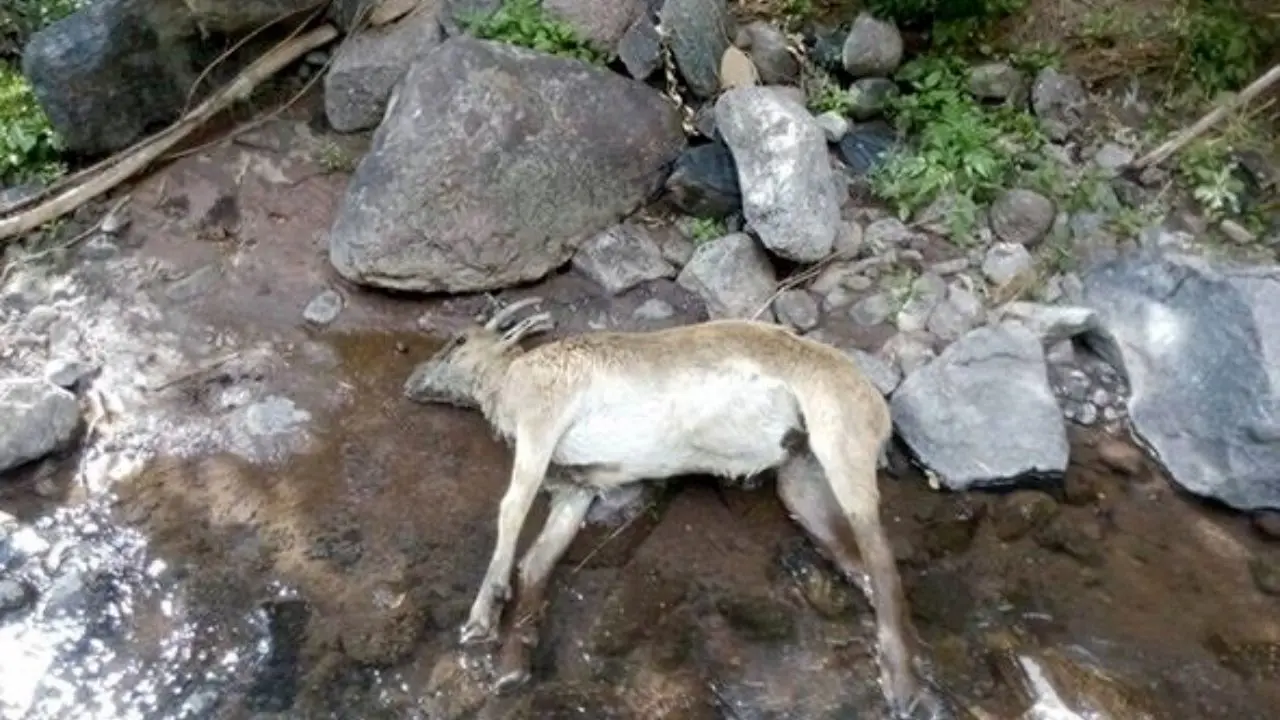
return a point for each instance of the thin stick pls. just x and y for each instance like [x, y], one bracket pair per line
[264, 67]
[222, 57]
[1210, 119]
[807, 274]
[115, 208]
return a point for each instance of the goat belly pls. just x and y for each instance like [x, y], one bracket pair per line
[729, 424]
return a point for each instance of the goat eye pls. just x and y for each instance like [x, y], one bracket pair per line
[460, 341]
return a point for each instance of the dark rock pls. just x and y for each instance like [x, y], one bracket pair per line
[1079, 537]
[826, 46]
[870, 96]
[1059, 101]
[983, 413]
[36, 418]
[788, 191]
[769, 52]
[640, 48]
[997, 81]
[1196, 341]
[704, 182]
[1022, 216]
[825, 590]
[621, 258]
[277, 681]
[1021, 512]
[865, 146]
[698, 35]
[108, 72]
[368, 65]
[489, 170]
[758, 619]
[950, 528]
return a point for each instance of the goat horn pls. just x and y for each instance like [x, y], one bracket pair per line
[502, 316]
[542, 322]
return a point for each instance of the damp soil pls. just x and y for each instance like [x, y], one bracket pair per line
[327, 577]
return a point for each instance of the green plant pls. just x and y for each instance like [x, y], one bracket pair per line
[526, 23]
[960, 146]
[704, 230]
[29, 148]
[824, 94]
[1209, 170]
[20, 18]
[1221, 46]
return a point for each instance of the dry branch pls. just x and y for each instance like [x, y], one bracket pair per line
[1213, 117]
[144, 154]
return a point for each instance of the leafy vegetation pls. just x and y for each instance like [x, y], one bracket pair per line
[20, 18]
[29, 148]
[962, 148]
[1220, 45]
[526, 23]
[1206, 166]
[704, 230]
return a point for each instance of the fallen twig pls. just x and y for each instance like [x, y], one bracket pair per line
[1213, 117]
[191, 92]
[807, 274]
[244, 84]
[102, 221]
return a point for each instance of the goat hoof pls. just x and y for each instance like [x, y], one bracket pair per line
[477, 633]
[510, 680]
[924, 704]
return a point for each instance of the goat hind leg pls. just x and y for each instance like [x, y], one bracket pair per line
[809, 500]
[568, 509]
[850, 471]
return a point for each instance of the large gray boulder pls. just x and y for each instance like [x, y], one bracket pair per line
[490, 169]
[784, 171]
[107, 72]
[36, 418]
[983, 414]
[1200, 344]
[368, 64]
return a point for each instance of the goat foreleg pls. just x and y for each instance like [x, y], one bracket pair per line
[532, 457]
[569, 507]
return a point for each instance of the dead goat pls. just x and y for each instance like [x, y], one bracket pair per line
[728, 398]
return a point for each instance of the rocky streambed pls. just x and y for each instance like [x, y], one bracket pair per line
[252, 523]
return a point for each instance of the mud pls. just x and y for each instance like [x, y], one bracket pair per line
[262, 527]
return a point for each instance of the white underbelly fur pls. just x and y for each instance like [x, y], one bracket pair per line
[728, 421]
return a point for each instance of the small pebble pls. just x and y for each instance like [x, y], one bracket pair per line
[654, 309]
[323, 308]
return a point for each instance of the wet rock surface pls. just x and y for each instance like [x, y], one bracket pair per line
[259, 527]
[1193, 339]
